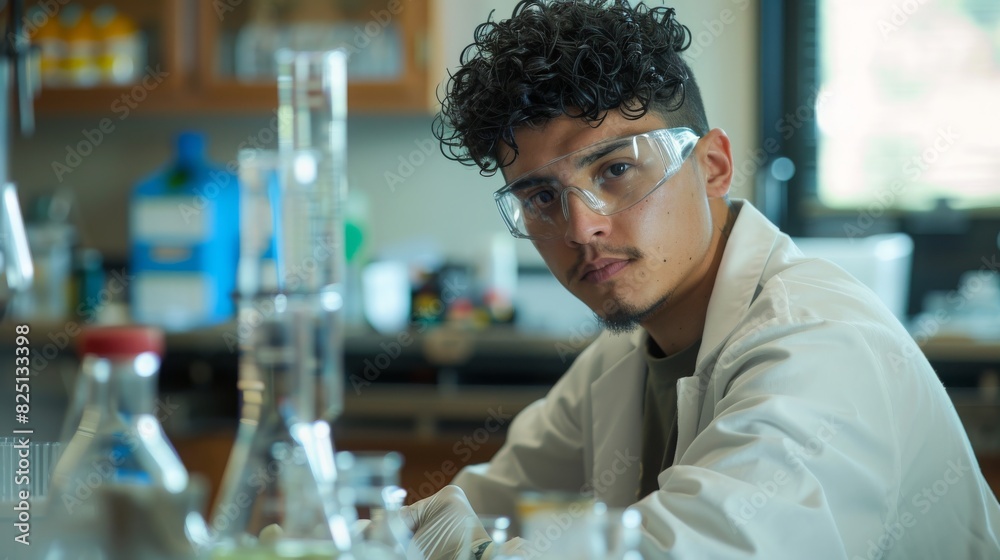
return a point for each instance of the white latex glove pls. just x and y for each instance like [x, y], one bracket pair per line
[441, 524]
[270, 535]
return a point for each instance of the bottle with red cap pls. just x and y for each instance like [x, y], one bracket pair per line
[107, 342]
[118, 467]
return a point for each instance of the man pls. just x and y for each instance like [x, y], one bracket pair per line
[747, 401]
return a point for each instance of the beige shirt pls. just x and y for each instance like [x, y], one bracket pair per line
[659, 411]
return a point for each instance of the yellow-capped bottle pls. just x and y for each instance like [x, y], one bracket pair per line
[121, 54]
[82, 46]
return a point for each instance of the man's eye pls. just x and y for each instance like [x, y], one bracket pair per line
[616, 170]
[541, 198]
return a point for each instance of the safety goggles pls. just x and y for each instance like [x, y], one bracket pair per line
[609, 176]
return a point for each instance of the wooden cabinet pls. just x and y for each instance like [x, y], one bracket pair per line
[387, 39]
[217, 55]
[159, 78]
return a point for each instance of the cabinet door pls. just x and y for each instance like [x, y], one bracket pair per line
[387, 69]
[86, 66]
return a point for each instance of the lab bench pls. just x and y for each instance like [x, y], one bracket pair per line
[437, 431]
[442, 397]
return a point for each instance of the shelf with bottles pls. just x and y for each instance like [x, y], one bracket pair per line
[102, 55]
[386, 39]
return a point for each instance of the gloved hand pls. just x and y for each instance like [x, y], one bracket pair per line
[444, 526]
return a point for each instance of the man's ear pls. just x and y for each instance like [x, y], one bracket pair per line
[715, 160]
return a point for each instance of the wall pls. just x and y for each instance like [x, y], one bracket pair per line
[441, 201]
[436, 199]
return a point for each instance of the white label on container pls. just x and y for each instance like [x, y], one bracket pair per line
[173, 300]
[173, 218]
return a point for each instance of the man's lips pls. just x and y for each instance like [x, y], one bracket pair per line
[602, 269]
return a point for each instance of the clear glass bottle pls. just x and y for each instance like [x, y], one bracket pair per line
[368, 488]
[118, 465]
[278, 496]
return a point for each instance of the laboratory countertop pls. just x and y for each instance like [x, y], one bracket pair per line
[428, 384]
[961, 349]
[450, 345]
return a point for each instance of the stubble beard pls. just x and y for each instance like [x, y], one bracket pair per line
[626, 317]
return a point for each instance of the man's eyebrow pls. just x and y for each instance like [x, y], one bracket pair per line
[586, 160]
[603, 151]
[529, 182]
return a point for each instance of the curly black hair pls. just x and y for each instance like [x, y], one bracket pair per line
[580, 58]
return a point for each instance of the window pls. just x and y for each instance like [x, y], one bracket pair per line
[895, 104]
[908, 103]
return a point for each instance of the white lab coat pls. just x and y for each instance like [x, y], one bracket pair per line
[813, 427]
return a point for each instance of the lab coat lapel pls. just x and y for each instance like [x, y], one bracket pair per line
[748, 250]
[616, 398]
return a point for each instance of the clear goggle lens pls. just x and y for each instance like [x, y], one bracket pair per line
[609, 177]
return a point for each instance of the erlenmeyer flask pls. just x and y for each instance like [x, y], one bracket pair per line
[278, 496]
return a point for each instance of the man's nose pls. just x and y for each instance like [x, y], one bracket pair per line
[582, 222]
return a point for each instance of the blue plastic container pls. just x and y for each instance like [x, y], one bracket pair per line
[184, 236]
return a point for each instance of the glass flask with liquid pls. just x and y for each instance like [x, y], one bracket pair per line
[278, 497]
[119, 490]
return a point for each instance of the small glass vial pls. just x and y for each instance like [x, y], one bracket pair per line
[118, 464]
